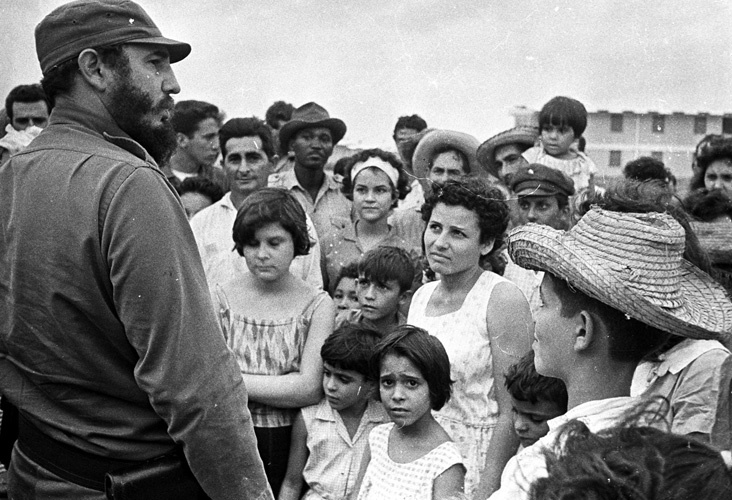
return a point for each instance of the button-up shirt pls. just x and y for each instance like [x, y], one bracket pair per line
[330, 204]
[109, 342]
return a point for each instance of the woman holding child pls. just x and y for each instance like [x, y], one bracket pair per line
[482, 319]
[274, 322]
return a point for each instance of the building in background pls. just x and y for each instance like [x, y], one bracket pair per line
[614, 139]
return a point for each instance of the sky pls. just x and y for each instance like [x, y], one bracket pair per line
[461, 65]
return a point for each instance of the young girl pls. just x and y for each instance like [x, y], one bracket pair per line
[274, 322]
[562, 121]
[374, 180]
[412, 457]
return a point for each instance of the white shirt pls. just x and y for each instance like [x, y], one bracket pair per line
[212, 229]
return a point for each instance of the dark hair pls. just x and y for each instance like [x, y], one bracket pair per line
[350, 270]
[475, 194]
[339, 167]
[646, 168]
[398, 192]
[446, 148]
[631, 463]
[246, 127]
[350, 347]
[271, 206]
[202, 186]
[629, 340]
[564, 111]
[25, 94]
[414, 122]
[425, 352]
[60, 79]
[525, 384]
[707, 205]
[382, 264]
[189, 114]
[717, 148]
[280, 110]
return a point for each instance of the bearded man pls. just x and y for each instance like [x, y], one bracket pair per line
[109, 344]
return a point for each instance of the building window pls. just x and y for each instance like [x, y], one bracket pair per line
[727, 125]
[658, 124]
[616, 158]
[700, 124]
[658, 155]
[616, 123]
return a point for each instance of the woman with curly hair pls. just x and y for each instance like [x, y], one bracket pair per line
[375, 181]
[714, 165]
[482, 319]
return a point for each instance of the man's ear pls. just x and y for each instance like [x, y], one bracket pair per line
[182, 139]
[586, 331]
[94, 71]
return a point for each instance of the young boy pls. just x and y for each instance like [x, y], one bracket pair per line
[616, 286]
[329, 439]
[385, 277]
[344, 294]
[535, 400]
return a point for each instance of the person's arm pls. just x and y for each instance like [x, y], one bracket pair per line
[510, 327]
[161, 297]
[450, 484]
[311, 262]
[304, 387]
[292, 485]
[362, 470]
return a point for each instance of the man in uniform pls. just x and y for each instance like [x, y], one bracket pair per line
[110, 346]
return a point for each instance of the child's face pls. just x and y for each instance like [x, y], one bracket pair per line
[377, 300]
[345, 389]
[404, 392]
[344, 294]
[530, 419]
[557, 140]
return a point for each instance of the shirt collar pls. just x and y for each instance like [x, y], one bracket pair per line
[374, 412]
[682, 354]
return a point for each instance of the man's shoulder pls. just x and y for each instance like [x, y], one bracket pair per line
[284, 179]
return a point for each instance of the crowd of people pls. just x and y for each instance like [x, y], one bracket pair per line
[195, 307]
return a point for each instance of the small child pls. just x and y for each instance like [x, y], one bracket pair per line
[329, 439]
[385, 277]
[344, 294]
[562, 121]
[535, 399]
[412, 457]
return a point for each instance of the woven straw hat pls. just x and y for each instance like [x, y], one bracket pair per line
[436, 140]
[634, 263]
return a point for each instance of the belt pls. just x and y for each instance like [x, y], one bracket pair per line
[80, 467]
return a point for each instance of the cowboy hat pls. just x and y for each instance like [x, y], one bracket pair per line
[523, 135]
[634, 263]
[308, 116]
[435, 141]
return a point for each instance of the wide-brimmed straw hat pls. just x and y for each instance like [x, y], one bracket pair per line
[436, 140]
[307, 116]
[526, 136]
[634, 263]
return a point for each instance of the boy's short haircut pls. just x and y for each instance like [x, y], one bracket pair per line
[350, 347]
[382, 264]
[525, 384]
[347, 271]
[628, 338]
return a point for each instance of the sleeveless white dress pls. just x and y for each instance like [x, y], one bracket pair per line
[472, 412]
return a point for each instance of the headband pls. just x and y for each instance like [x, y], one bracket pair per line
[376, 162]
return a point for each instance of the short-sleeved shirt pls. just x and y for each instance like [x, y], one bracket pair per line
[329, 204]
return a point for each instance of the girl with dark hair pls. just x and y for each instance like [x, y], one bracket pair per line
[411, 457]
[713, 165]
[375, 181]
[482, 319]
[562, 121]
[274, 322]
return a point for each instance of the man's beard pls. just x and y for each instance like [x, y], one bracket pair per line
[132, 109]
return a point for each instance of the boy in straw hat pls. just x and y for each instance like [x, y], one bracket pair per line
[616, 286]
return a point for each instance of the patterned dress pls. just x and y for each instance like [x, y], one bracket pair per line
[472, 412]
[580, 168]
[387, 480]
[268, 347]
